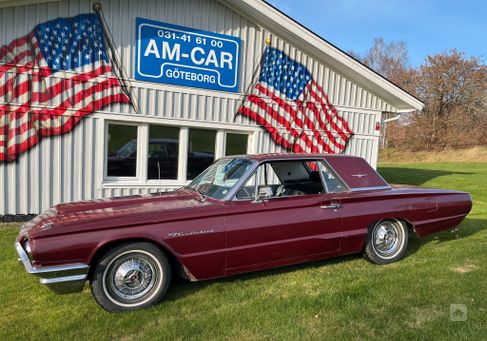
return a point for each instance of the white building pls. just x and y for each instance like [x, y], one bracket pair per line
[183, 123]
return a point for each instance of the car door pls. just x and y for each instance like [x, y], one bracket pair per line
[280, 229]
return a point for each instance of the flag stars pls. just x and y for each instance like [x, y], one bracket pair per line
[66, 43]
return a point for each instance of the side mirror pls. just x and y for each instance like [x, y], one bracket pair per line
[264, 193]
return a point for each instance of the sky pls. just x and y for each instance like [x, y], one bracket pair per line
[426, 26]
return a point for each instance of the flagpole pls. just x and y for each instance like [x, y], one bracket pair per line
[254, 77]
[118, 67]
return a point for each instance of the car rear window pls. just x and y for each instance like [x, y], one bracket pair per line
[356, 172]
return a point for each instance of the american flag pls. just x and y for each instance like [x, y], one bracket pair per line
[50, 79]
[293, 108]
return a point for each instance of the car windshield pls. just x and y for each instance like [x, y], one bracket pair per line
[217, 180]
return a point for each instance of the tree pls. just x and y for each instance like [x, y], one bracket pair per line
[454, 90]
[391, 61]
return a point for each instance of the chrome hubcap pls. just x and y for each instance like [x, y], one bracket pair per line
[132, 277]
[388, 237]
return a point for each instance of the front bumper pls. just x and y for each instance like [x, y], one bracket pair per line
[62, 279]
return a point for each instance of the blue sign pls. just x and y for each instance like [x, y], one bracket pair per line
[185, 56]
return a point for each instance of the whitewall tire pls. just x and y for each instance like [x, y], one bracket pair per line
[387, 241]
[130, 276]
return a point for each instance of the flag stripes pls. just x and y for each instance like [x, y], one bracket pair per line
[293, 108]
[47, 93]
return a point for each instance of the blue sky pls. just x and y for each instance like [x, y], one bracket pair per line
[427, 26]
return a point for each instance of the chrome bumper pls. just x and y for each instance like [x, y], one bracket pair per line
[63, 279]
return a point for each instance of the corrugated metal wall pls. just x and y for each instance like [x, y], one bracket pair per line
[67, 168]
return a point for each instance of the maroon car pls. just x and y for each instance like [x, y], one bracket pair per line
[243, 213]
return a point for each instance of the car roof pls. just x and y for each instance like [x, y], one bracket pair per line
[290, 156]
[353, 170]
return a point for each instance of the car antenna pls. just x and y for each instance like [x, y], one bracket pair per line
[159, 177]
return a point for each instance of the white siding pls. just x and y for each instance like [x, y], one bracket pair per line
[67, 168]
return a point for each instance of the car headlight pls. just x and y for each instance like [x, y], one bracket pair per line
[28, 249]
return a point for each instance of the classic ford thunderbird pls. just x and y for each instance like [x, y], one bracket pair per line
[243, 213]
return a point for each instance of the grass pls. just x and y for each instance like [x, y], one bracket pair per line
[344, 298]
[473, 154]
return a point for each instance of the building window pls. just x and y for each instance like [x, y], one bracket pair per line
[141, 152]
[122, 150]
[162, 161]
[201, 151]
[236, 144]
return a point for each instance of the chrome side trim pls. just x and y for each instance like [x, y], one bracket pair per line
[358, 189]
[61, 279]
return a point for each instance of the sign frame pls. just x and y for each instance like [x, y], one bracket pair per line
[197, 72]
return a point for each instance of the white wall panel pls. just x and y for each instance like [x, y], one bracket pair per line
[67, 168]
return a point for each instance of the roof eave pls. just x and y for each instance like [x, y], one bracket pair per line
[289, 29]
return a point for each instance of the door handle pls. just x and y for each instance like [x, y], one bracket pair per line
[333, 205]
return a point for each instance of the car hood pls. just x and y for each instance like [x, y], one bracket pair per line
[118, 212]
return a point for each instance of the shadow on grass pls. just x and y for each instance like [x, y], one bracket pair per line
[466, 229]
[181, 288]
[413, 176]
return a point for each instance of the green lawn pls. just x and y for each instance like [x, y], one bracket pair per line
[344, 298]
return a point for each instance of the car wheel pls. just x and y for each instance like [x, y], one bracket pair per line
[387, 241]
[130, 276]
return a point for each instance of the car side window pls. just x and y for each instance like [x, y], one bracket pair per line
[284, 179]
[248, 190]
[332, 183]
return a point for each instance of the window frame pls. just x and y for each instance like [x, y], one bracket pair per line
[140, 148]
[218, 140]
[143, 127]
[252, 172]
[257, 183]
[225, 140]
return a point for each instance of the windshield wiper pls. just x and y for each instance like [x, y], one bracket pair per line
[202, 197]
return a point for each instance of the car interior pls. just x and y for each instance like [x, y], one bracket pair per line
[291, 178]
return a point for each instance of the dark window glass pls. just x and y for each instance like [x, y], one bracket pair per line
[201, 151]
[163, 153]
[332, 183]
[236, 144]
[122, 150]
